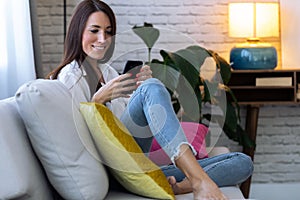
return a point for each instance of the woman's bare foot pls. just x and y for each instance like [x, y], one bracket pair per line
[207, 190]
[182, 187]
[197, 180]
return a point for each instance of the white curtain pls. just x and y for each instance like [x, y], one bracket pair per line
[16, 46]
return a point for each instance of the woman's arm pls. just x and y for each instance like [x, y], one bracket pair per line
[120, 86]
[115, 88]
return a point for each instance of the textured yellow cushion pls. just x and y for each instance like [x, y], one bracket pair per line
[123, 156]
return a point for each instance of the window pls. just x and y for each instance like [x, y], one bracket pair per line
[16, 49]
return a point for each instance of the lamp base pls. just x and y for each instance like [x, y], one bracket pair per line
[253, 57]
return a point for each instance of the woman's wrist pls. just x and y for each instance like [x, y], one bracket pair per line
[97, 100]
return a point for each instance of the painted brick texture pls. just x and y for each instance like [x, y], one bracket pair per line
[182, 23]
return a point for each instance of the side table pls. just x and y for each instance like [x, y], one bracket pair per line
[249, 93]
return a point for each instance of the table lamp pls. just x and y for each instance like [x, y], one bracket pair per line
[253, 21]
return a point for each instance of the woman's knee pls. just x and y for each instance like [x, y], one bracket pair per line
[245, 162]
[154, 86]
[242, 165]
[152, 82]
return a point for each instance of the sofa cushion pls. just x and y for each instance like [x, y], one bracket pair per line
[62, 140]
[20, 172]
[232, 192]
[123, 155]
[195, 134]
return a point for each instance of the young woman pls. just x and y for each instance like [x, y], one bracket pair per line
[89, 45]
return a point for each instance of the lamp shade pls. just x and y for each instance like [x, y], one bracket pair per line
[253, 20]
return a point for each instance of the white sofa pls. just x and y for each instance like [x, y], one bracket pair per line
[22, 169]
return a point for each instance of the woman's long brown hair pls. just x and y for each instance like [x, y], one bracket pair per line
[73, 42]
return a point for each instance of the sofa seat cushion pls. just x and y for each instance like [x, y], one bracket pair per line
[62, 140]
[232, 192]
[21, 175]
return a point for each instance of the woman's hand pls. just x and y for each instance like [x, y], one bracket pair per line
[144, 74]
[120, 86]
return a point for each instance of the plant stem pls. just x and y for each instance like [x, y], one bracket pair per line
[149, 55]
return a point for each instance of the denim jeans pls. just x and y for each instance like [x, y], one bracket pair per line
[225, 169]
[150, 114]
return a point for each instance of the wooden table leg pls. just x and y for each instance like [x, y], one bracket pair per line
[251, 129]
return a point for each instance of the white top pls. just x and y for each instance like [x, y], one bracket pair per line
[72, 76]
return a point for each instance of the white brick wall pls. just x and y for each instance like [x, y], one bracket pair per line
[187, 22]
[277, 157]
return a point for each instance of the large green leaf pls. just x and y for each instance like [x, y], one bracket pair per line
[201, 54]
[245, 139]
[190, 99]
[166, 74]
[233, 101]
[231, 118]
[147, 33]
[239, 136]
[186, 96]
[210, 90]
[187, 62]
[222, 65]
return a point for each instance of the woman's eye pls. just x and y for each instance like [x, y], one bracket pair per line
[94, 31]
[109, 32]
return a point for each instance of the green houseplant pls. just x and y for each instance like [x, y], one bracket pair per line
[180, 72]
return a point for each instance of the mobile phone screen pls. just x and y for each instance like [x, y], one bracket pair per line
[133, 67]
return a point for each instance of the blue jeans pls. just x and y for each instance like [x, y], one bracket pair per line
[225, 169]
[150, 114]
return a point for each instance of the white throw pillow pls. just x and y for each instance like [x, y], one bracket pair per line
[61, 140]
[21, 174]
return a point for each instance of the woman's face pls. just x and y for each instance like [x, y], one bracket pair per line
[97, 37]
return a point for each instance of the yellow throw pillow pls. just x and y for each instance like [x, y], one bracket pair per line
[122, 154]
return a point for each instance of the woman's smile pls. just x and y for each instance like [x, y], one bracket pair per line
[98, 47]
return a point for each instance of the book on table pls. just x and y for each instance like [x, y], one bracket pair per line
[274, 81]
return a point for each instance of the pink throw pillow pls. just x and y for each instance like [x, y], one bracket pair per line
[195, 134]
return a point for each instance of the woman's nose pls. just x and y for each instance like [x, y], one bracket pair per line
[101, 36]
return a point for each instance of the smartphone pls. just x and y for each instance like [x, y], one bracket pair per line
[133, 67]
